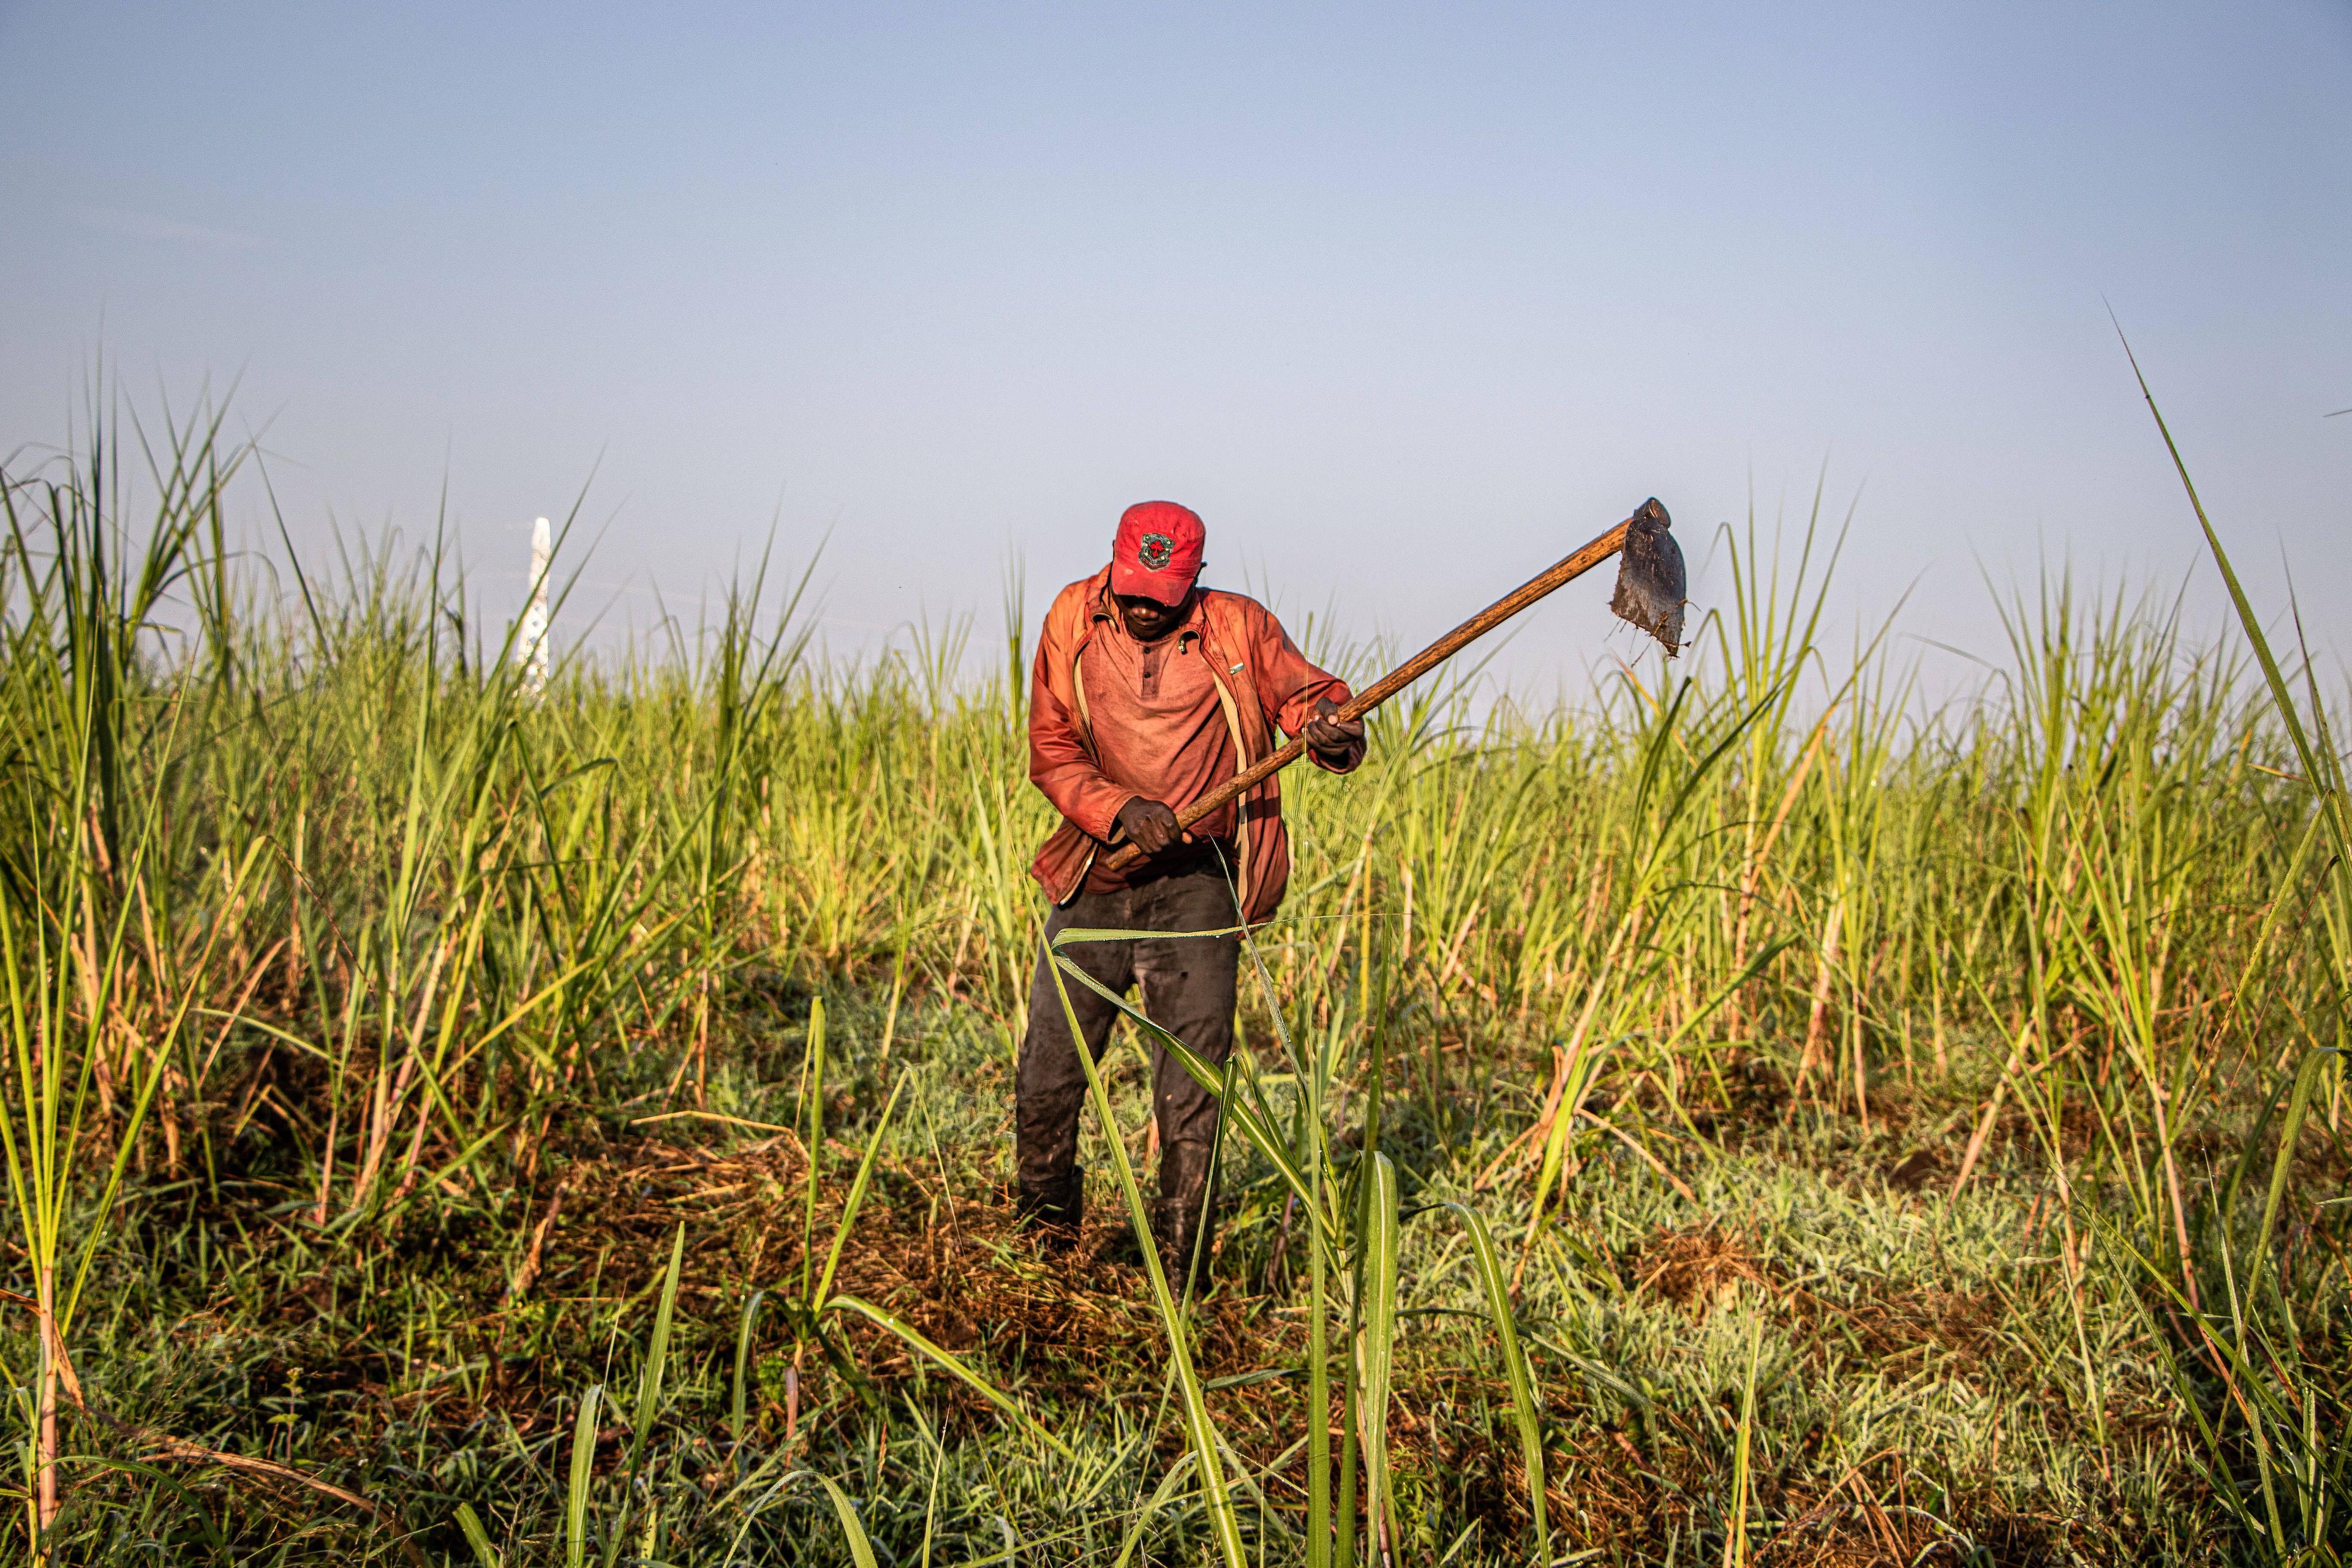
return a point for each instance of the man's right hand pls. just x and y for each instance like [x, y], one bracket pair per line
[1151, 825]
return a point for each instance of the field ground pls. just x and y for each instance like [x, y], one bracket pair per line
[448, 1124]
[1921, 1342]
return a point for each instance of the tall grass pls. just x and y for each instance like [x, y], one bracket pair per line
[337, 962]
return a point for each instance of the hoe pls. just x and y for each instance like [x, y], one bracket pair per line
[1649, 594]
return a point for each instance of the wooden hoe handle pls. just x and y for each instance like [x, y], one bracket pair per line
[1575, 565]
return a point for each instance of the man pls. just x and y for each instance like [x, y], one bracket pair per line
[1147, 692]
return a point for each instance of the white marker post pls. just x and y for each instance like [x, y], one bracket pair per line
[530, 644]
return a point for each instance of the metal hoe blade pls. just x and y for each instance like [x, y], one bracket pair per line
[1650, 577]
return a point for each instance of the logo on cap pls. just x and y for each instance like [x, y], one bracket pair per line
[1154, 552]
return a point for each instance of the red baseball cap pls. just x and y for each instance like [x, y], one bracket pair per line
[1157, 551]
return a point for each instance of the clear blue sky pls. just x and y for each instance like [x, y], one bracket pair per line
[1406, 302]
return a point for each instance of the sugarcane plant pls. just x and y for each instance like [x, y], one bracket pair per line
[1352, 1222]
[2252, 1326]
[87, 1046]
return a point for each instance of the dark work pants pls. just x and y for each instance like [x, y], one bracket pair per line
[1188, 990]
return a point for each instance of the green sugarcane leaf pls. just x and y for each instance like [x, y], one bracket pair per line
[743, 1359]
[857, 1192]
[1378, 1350]
[951, 1364]
[470, 1523]
[1201, 1431]
[583, 1475]
[2306, 1079]
[1253, 1119]
[649, 1383]
[861, 1550]
[1526, 1409]
[1151, 1507]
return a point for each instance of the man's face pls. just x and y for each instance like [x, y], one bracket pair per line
[1149, 620]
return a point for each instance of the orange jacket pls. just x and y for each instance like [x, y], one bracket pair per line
[1264, 683]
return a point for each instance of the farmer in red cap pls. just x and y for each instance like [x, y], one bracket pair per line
[1149, 691]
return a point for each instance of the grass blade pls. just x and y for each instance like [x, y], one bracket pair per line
[649, 1382]
[743, 1359]
[1378, 1350]
[861, 1550]
[856, 1197]
[1734, 1535]
[470, 1523]
[1201, 1431]
[954, 1365]
[583, 1475]
[1527, 1411]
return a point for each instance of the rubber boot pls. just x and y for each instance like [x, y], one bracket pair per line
[1053, 1212]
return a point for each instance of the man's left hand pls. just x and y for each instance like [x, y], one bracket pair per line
[1331, 740]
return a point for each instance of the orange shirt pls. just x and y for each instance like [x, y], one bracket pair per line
[1102, 727]
[1157, 699]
